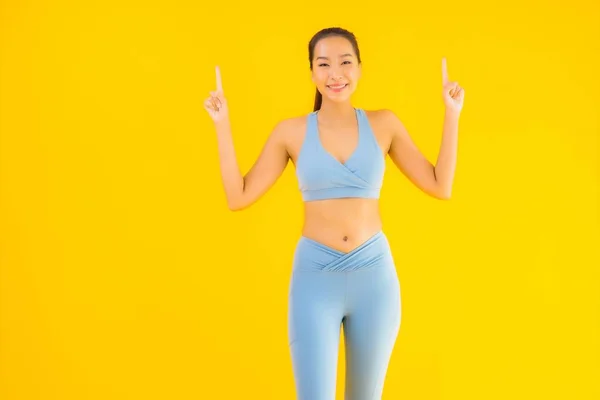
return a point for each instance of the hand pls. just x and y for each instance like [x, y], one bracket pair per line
[216, 104]
[452, 93]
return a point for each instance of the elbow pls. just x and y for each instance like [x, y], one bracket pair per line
[237, 204]
[233, 206]
[441, 189]
[440, 195]
[235, 200]
[444, 196]
[443, 193]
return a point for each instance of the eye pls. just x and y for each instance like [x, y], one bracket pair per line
[345, 62]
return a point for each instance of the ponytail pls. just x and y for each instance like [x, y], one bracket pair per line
[318, 100]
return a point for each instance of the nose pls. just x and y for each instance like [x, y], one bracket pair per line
[335, 73]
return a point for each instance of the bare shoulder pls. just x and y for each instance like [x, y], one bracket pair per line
[287, 128]
[295, 123]
[290, 133]
[385, 125]
[384, 118]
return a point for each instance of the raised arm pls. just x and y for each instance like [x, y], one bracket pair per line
[242, 191]
[435, 180]
[409, 159]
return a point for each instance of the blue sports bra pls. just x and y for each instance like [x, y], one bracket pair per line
[321, 176]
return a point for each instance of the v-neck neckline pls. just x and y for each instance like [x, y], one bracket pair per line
[345, 163]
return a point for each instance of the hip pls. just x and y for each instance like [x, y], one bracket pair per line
[313, 255]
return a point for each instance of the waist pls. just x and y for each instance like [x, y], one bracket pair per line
[342, 224]
[311, 255]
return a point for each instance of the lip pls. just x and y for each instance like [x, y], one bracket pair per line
[337, 88]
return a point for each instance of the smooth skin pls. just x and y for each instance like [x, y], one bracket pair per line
[342, 224]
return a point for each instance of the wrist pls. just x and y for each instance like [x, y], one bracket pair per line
[222, 124]
[452, 114]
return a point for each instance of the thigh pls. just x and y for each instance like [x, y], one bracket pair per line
[315, 313]
[370, 330]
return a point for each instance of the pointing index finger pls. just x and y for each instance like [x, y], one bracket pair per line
[444, 71]
[219, 83]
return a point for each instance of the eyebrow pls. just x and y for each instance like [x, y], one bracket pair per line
[343, 55]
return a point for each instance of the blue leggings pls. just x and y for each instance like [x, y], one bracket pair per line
[359, 290]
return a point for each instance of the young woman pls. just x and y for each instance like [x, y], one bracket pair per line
[343, 271]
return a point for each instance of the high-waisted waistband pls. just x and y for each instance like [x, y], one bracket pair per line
[315, 256]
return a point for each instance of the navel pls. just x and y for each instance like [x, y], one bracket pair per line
[345, 238]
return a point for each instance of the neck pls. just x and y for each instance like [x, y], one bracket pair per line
[336, 111]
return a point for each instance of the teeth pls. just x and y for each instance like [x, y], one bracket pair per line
[337, 87]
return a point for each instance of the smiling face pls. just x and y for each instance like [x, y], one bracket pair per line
[335, 68]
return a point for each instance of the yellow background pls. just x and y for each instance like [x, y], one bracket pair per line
[125, 276]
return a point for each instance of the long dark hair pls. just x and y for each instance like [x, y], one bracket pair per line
[327, 32]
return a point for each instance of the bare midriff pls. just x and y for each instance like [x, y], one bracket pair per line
[342, 224]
